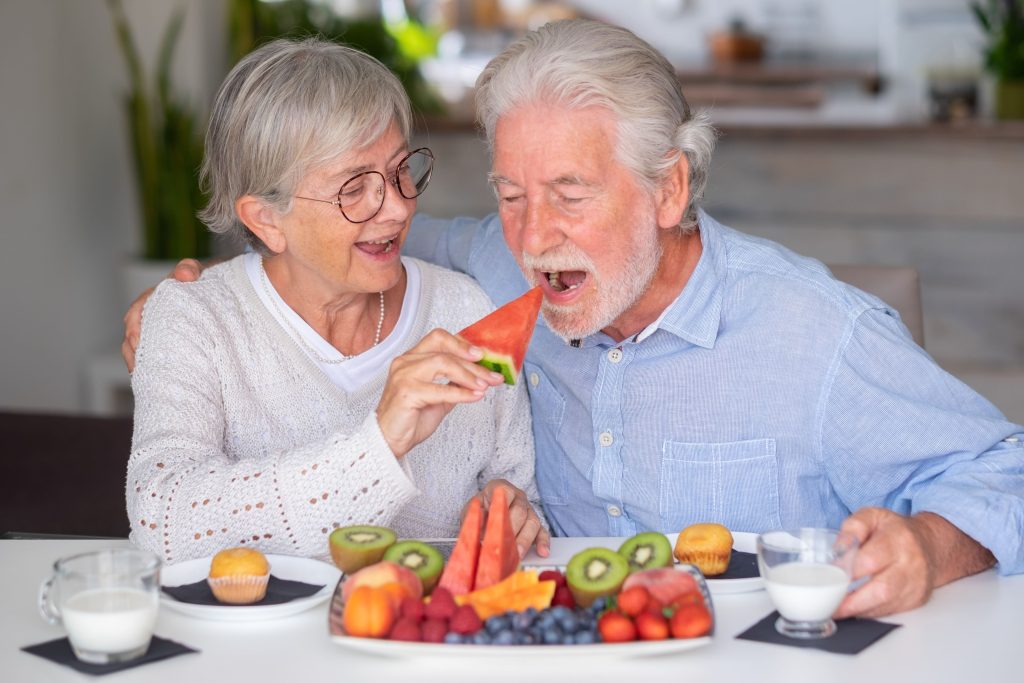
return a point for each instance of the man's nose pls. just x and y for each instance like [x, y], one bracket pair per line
[541, 230]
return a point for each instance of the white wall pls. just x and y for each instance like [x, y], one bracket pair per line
[68, 212]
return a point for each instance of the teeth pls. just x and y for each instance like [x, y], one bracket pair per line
[556, 283]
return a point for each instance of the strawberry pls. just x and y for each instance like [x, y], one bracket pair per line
[412, 608]
[651, 626]
[406, 629]
[465, 621]
[434, 630]
[633, 601]
[441, 605]
[616, 627]
[563, 597]
[553, 575]
[690, 621]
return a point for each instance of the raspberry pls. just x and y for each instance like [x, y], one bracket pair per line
[406, 629]
[553, 575]
[434, 630]
[441, 605]
[465, 621]
[563, 597]
[412, 608]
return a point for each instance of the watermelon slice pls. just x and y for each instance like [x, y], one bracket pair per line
[499, 556]
[505, 333]
[460, 570]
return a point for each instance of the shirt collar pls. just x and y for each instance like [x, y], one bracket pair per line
[695, 315]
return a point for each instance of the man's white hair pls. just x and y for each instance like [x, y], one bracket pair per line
[580, 63]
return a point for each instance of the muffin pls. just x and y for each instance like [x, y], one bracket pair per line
[707, 545]
[239, 576]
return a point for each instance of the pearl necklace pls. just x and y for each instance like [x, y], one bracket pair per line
[265, 279]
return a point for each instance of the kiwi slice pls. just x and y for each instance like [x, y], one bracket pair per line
[355, 547]
[647, 550]
[423, 559]
[595, 572]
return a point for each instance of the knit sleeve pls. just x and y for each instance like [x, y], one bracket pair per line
[186, 498]
[513, 457]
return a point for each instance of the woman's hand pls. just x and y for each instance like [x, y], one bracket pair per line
[525, 522]
[187, 270]
[425, 383]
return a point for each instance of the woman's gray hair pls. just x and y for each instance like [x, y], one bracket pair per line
[285, 109]
[580, 63]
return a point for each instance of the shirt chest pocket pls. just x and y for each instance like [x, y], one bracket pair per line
[735, 484]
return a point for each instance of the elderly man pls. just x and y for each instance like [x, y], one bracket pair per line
[686, 372]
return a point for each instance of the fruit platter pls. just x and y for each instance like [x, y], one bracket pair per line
[402, 597]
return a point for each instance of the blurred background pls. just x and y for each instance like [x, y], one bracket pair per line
[876, 132]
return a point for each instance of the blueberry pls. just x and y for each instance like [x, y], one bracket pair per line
[481, 637]
[497, 624]
[585, 637]
[452, 638]
[526, 639]
[523, 620]
[567, 621]
[505, 637]
[599, 605]
[551, 636]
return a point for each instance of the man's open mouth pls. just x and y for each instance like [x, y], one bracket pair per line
[566, 280]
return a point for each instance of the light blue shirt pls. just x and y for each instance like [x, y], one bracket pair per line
[768, 394]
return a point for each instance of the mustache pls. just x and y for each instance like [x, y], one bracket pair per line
[569, 257]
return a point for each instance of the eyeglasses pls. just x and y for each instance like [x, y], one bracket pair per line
[362, 195]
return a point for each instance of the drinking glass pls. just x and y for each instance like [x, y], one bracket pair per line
[807, 573]
[107, 601]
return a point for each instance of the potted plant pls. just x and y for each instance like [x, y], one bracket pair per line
[167, 148]
[1003, 23]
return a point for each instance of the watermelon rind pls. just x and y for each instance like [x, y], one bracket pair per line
[500, 363]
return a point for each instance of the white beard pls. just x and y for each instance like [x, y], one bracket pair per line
[612, 295]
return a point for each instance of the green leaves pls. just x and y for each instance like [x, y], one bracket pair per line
[167, 148]
[1003, 23]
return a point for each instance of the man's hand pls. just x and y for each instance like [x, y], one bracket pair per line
[187, 270]
[525, 522]
[906, 558]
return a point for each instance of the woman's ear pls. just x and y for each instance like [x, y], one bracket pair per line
[262, 220]
[673, 196]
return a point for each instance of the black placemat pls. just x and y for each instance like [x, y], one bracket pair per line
[279, 591]
[851, 636]
[741, 566]
[59, 651]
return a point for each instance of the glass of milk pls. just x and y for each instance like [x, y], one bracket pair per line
[806, 573]
[107, 601]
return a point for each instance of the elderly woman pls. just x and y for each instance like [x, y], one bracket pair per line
[309, 384]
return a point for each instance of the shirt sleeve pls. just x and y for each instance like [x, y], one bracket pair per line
[446, 242]
[899, 432]
[186, 498]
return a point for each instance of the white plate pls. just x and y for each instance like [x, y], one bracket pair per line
[282, 566]
[564, 548]
[394, 648]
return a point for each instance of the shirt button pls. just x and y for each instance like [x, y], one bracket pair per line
[615, 355]
[534, 379]
[614, 511]
[606, 439]
[1011, 439]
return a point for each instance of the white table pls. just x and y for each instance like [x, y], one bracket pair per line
[969, 632]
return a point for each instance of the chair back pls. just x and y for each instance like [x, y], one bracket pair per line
[898, 286]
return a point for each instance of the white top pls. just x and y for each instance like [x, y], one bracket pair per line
[355, 372]
[968, 631]
[241, 439]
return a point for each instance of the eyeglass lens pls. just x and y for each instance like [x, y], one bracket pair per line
[362, 196]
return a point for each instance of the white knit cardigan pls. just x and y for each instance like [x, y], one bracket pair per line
[240, 439]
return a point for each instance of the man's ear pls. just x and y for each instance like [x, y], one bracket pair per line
[262, 220]
[673, 196]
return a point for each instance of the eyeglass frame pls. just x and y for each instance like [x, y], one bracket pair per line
[391, 179]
